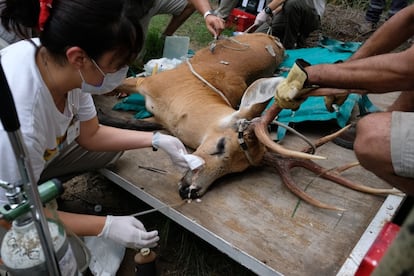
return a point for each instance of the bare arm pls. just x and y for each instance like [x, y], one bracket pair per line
[96, 137]
[379, 74]
[372, 68]
[215, 25]
[276, 5]
[81, 225]
[74, 222]
[201, 5]
[390, 35]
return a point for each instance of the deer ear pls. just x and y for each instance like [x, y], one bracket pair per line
[260, 91]
[257, 95]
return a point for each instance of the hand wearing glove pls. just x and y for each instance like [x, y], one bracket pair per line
[263, 17]
[172, 146]
[129, 232]
[292, 88]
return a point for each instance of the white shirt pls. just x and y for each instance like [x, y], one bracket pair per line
[42, 125]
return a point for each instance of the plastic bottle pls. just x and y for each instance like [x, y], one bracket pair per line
[145, 263]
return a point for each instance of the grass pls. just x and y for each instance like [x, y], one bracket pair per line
[194, 28]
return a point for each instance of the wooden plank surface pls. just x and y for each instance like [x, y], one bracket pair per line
[256, 214]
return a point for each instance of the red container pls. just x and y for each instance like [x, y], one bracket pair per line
[377, 250]
[240, 20]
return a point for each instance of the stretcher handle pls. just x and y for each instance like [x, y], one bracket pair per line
[8, 114]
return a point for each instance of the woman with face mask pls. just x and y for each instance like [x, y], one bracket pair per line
[83, 48]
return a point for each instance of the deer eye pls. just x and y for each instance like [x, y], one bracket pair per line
[220, 147]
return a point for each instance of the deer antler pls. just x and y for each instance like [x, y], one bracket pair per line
[284, 165]
[260, 129]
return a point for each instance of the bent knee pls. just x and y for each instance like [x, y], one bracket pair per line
[373, 134]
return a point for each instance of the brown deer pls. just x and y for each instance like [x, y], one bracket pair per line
[214, 104]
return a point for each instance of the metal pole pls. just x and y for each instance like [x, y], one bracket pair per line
[11, 124]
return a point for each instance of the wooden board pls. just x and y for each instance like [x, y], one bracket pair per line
[255, 219]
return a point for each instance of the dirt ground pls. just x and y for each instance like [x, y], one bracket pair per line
[93, 194]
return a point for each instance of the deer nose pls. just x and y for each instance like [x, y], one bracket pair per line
[189, 193]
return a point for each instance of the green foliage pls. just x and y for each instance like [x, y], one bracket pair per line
[194, 28]
[154, 44]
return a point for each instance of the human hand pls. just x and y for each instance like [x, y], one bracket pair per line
[129, 232]
[215, 25]
[172, 146]
[288, 92]
[332, 103]
[263, 17]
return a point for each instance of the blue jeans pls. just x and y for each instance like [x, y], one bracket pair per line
[294, 23]
[376, 7]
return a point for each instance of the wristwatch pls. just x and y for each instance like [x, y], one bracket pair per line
[268, 11]
[209, 12]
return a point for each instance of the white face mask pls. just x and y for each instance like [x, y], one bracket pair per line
[109, 83]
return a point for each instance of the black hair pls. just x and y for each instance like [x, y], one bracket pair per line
[96, 26]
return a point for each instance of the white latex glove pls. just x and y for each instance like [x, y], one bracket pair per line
[263, 17]
[129, 232]
[193, 161]
[171, 145]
